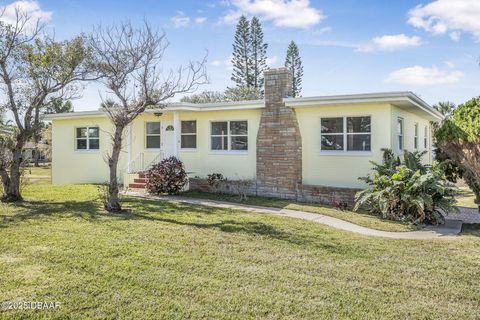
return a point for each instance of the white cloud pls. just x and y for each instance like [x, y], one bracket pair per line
[200, 20]
[424, 76]
[30, 8]
[282, 13]
[391, 43]
[455, 35]
[182, 21]
[271, 61]
[226, 63]
[442, 16]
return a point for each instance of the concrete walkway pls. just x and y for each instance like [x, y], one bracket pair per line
[450, 229]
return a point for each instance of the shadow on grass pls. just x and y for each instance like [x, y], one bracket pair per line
[200, 217]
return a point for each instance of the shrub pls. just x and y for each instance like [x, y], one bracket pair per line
[407, 191]
[168, 176]
[215, 179]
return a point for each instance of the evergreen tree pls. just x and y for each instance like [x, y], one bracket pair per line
[294, 63]
[258, 54]
[241, 61]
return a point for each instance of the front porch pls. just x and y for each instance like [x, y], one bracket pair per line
[162, 140]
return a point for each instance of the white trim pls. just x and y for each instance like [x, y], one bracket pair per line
[130, 147]
[400, 134]
[87, 138]
[415, 136]
[176, 133]
[145, 135]
[229, 136]
[382, 97]
[189, 134]
[345, 135]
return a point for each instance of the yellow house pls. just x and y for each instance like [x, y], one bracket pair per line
[307, 148]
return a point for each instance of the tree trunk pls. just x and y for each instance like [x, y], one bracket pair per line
[113, 201]
[11, 192]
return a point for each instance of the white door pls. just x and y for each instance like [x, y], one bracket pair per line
[167, 139]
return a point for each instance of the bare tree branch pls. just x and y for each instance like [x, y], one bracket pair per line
[128, 62]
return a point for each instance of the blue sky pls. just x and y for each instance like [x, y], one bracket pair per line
[428, 47]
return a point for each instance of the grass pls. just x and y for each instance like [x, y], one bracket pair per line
[166, 260]
[466, 198]
[360, 218]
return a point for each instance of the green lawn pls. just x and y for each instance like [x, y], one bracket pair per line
[466, 198]
[166, 260]
[362, 219]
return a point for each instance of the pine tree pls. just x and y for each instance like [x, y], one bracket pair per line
[294, 63]
[258, 54]
[241, 73]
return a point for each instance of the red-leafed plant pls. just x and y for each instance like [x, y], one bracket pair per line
[168, 176]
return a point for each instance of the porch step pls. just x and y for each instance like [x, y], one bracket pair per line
[141, 175]
[137, 185]
[140, 180]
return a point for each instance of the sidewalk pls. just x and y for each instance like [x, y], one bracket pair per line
[450, 229]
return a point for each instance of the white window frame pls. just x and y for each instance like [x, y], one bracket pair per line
[425, 138]
[415, 136]
[400, 134]
[87, 138]
[146, 135]
[345, 134]
[229, 137]
[189, 134]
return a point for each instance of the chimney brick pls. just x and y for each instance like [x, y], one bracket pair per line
[279, 144]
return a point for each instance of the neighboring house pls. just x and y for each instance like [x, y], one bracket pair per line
[311, 148]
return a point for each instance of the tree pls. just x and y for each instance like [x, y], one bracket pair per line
[459, 138]
[241, 60]
[445, 107]
[205, 97]
[258, 54]
[59, 105]
[33, 69]
[127, 61]
[294, 63]
[242, 93]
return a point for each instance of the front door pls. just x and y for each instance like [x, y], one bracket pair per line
[167, 139]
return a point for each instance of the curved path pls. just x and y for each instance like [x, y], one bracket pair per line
[450, 229]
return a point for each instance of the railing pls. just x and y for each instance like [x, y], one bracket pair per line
[139, 164]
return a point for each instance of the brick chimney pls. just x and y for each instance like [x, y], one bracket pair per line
[279, 144]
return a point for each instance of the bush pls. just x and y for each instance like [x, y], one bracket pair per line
[168, 176]
[215, 179]
[407, 191]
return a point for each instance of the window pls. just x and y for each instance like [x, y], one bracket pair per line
[152, 135]
[88, 138]
[415, 138]
[425, 138]
[346, 134]
[229, 136]
[400, 133]
[188, 138]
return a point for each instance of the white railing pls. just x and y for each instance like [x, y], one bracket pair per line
[139, 164]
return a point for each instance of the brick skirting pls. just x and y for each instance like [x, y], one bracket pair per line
[305, 193]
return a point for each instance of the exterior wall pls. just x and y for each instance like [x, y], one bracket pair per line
[341, 169]
[409, 120]
[233, 164]
[72, 166]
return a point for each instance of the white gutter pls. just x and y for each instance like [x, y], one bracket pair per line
[240, 105]
[386, 97]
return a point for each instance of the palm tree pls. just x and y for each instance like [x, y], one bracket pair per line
[445, 107]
